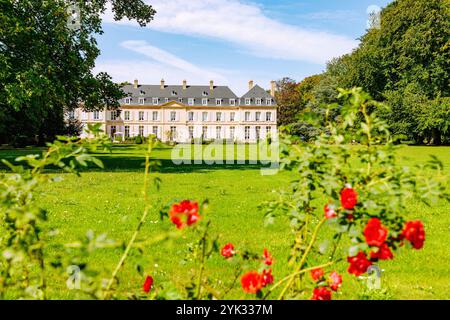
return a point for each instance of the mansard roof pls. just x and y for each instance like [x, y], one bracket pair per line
[257, 92]
[148, 91]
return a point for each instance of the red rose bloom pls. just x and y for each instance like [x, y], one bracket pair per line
[358, 264]
[414, 232]
[383, 253]
[267, 277]
[317, 274]
[147, 284]
[349, 198]
[252, 282]
[375, 233]
[268, 259]
[321, 293]
[228, 251]
[329, 211]
[335, 281]
[184, 213]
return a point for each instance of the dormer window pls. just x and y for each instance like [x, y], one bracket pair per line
[232, 102]
[204, 102]
[174, 93]
[166, 100]
[127, 100]
[218, 102]
[191, 101]
[155, 101]
[248, 101]
[142, 93]
[258, 102]
[141, 100]
[269, 102]
[205, 94]
[180, 100]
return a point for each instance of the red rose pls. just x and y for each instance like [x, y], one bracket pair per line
[383, 253]
[184, 213]
[252, 282]
[375, 233]
[147, 284]
[358, 264]
[329, 211]
[268, 259]
[349, 198]
[414, 232]
[228, 250]
[267, 277]
[321, 293]
[335, 281]
[317, 274]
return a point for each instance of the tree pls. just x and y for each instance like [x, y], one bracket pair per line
[46, 66]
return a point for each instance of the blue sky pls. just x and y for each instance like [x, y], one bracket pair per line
[232, 41]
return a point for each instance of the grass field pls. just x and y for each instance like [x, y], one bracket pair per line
[110, 201]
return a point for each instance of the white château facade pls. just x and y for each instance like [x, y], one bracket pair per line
[183, 113]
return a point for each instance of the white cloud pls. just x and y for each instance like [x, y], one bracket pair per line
[246, 26]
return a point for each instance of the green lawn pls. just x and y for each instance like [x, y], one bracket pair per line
[110, 201]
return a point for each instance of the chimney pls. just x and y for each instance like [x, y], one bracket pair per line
[136, 84]
[273, 88]
[184, 84]
[211, 85]
[163, 84]
[250, 84]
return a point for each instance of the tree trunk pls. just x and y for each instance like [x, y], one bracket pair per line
[436, 138]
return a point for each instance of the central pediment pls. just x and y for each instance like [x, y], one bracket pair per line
[174, 104]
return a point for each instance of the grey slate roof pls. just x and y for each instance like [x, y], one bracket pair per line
[257, 92]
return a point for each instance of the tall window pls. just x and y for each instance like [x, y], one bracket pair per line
[258, 102]
[232, 116]
[141, 131]
[232, 102]
[205, 133]
[155, 131]
[155, 101]
[247, 102]
[127, 115]
[141, 100]
[247, 133]
[247, 116]
[258, 116]
[173, 116]
[191, 133]
[114, 115]
[268, 131]
[258, 133]
[218, 102]
[127, 131]
[173, 133]
[190, 116]
[113, 131]
[218, 133]
[71, 114]
[191, 101]
[141, 115]
[268, 116]
[205, 116]
[218, 116]
[96, 115]
[155, 115]
[232, 132]
[204, 102]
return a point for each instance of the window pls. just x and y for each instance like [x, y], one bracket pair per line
[191, 101]
[204, 102]
[248, 102]
[155, 131]
[141, 131]
[269, 102]
[258, 133]
[232, 116]
[114, 115]
[218, 133]
[142, 93]
[205, 116]
[258, 116]
[127, 115]
[232, 102]
[191, 133]
[141, 100]
[268, 131]
[247, 116]
[173, 116]
[141, 115]
[155, 115]
[218, 102]
[205, 133]
[258, 102]
[155, 101]
[218, 116]
[232, 132]
[174, 93]
[173, 133]
[127, 100]
[97, 115]
[113, 131]
[247, 133]
[180, 100]
[71, 114]
[127, 131]
[191, 116]
[166, 100]
[205, 94]
[268, 116]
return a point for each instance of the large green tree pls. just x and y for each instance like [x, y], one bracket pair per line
[46, 64]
